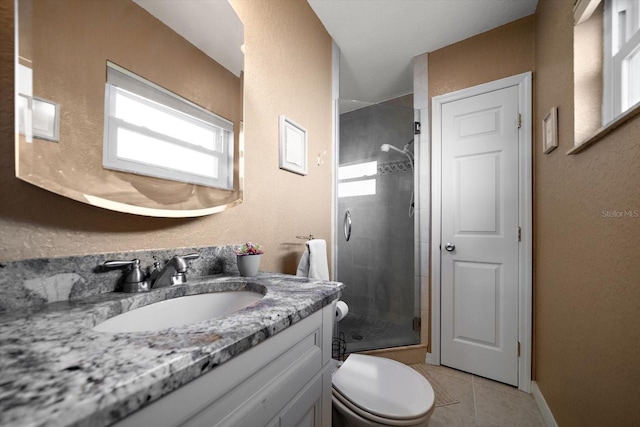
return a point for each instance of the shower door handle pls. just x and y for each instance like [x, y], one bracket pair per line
[347, 225]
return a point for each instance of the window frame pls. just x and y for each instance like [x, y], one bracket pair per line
[616, 77]
[357, 179]
[607, 122]
[121, 82]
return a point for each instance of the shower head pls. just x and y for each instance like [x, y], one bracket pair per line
[387, 147]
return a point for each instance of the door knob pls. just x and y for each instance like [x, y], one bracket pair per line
[450, 247]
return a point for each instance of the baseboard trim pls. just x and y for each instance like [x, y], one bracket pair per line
[430, 359]
[547, 416]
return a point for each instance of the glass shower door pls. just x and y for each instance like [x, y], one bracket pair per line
[375, 251]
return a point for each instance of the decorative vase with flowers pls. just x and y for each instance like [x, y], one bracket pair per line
[248, 257]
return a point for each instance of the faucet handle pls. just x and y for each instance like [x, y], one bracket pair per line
[121, 263]
[181, 265]
[134, 281]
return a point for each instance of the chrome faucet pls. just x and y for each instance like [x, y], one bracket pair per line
[174, 272]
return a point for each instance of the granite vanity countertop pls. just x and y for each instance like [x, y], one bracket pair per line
[56, 371]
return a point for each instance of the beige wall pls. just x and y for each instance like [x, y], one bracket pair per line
[587, 265]
[502, 52]
[287, 71]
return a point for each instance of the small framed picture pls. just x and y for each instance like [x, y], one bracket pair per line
[293, 146]
[550, 131]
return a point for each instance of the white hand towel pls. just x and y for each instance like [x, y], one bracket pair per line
[313, 263]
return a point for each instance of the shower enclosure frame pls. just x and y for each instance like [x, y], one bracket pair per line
[422, 186]
[420, 219]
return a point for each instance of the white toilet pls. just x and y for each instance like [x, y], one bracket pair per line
[374, 391]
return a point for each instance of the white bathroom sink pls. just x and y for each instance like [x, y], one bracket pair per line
[179, 311]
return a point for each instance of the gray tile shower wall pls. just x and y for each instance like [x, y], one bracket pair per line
[34, 282]
[377, 263]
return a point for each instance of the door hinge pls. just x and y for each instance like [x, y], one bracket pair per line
[519, 120]
[519, 234]
[518, 348]
[417, 128]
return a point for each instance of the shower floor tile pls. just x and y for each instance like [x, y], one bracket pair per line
[363, 333]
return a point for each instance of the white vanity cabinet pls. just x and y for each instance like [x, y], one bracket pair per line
[284, 381]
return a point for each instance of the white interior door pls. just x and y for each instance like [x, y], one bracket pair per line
[480, 235]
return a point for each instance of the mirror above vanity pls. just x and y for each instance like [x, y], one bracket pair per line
[166, 50]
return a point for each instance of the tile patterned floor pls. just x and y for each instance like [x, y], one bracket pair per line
[483, 403]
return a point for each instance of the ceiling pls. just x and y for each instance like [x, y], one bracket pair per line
[379, 38]
[210, 25]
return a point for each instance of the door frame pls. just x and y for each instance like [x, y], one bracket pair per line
[525, 204]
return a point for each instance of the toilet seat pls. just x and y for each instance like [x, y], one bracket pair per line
[345, 406]
[383, 390]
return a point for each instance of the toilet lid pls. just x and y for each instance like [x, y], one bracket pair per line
[383, 387]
